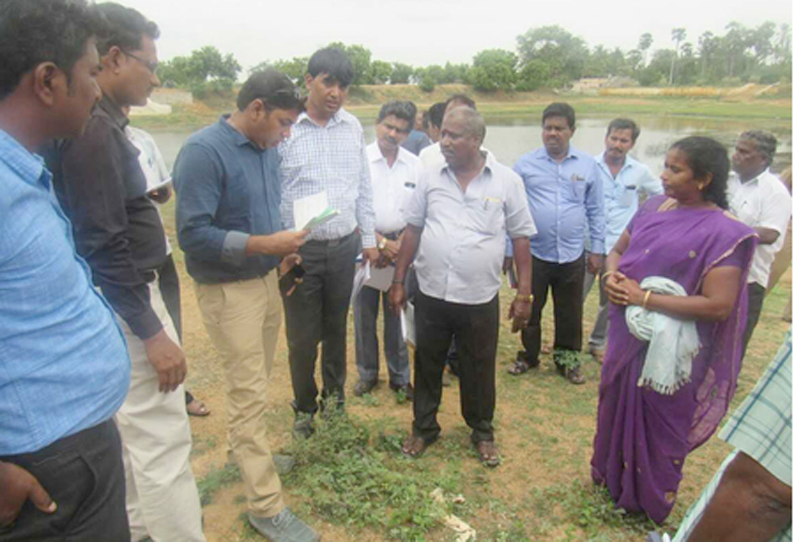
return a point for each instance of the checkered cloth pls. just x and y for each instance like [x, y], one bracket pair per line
[332, 158]
[761, 428]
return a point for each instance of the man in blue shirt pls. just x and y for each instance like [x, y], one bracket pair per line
[229, 226]
[64, 369]
[565, 196]
[624, 179]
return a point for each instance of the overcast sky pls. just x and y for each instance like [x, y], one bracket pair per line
[423, 32]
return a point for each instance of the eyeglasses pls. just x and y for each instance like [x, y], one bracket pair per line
[151, 66]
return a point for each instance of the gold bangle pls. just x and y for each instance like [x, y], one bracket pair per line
[645, 299]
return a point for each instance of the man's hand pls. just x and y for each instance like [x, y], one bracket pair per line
[288, 262]
[160, 195]
[397, 297]
[595, 262]
[168, 360]
[371, 254]
[286, 242]
[520, 312]
[17, 486]
[391, 250]
[507, 264]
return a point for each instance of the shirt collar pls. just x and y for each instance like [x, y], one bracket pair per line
[29, 166]
[572, 153]
[375, 154]
[113, 111]
[336, 118]
[239, 139]
[601, 160]
[755, 179]
[488, 165]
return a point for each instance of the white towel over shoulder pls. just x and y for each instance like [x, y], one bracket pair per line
[673, 343]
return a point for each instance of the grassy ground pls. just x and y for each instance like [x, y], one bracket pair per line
[366, 101]
[351, 482]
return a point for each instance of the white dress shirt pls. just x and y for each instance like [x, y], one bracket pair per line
[462, 246]
[392, 186]
[762, 202]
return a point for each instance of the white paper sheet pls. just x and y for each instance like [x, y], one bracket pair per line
[407, 324]
[305, 209]
[381, 279]
[362, 276]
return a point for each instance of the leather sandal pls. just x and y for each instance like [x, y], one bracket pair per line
[488, 453]
[414, 446]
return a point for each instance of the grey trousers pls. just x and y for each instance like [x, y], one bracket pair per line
[598, 337]
[365, 317]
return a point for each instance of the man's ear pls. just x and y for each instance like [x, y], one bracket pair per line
[112, 60]
[48, 82]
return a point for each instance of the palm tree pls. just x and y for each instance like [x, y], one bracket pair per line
[679, 34]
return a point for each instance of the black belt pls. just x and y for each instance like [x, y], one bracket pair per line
[393, 236]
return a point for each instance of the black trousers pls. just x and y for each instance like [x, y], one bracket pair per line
[84, 475]
[316, 313]
[755, 302]
[476, 332]
[566, 281]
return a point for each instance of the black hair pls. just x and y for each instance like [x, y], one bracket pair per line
[435, 115]
[124, 28]
[765, 143]
[403, 110]
[462, 98]
[335, 63]
[560, 109]
[625, 124]
[274, 88]
[37, 31]
[704, 156]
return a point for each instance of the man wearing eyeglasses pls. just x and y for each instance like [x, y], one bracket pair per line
[227, 180]
[117, 229]
[395, 175]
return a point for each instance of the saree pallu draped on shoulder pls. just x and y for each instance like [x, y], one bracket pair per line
[643, 437]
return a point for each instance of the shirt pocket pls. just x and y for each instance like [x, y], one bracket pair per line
[576, 188]
[628, 196]
[486, 214]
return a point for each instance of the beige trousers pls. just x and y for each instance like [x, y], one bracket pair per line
[243, 320]
[162, 497]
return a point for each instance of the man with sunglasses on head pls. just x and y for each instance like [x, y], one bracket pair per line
[227, 181]
[117, 229]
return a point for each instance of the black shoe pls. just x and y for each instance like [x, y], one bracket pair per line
[406, 389]
[303, 427]
[363, 387]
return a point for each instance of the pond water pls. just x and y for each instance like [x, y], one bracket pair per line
[510, 137]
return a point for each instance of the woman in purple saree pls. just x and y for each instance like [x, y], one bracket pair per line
[643, 436]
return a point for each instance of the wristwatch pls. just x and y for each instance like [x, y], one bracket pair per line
[382, 243]
[528, 298]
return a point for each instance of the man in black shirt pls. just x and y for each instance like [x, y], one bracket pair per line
[118, 231]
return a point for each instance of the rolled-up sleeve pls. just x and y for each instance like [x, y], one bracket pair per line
[198, 180]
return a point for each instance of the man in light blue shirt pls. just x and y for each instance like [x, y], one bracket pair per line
[64, 369]
[624, 180]
[566, 199]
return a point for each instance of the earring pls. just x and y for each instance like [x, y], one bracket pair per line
[700, 187]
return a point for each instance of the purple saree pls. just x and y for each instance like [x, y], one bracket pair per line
[643, 437]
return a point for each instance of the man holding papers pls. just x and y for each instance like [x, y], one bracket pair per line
[461, 211]
[325, 158]
[226, 178]
[395, 175]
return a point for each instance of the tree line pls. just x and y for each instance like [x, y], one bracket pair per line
[545, 57]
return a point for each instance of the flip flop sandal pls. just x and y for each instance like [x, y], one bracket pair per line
[488, 453]
[197, 408]
[519, 367]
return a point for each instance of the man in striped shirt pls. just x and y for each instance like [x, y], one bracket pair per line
[325, 154]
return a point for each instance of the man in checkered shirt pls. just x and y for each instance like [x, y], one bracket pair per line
[326, 153]
[749, 498]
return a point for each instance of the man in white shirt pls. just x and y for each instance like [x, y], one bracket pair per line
[762, 202]
[395, 174]
[462, 211]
